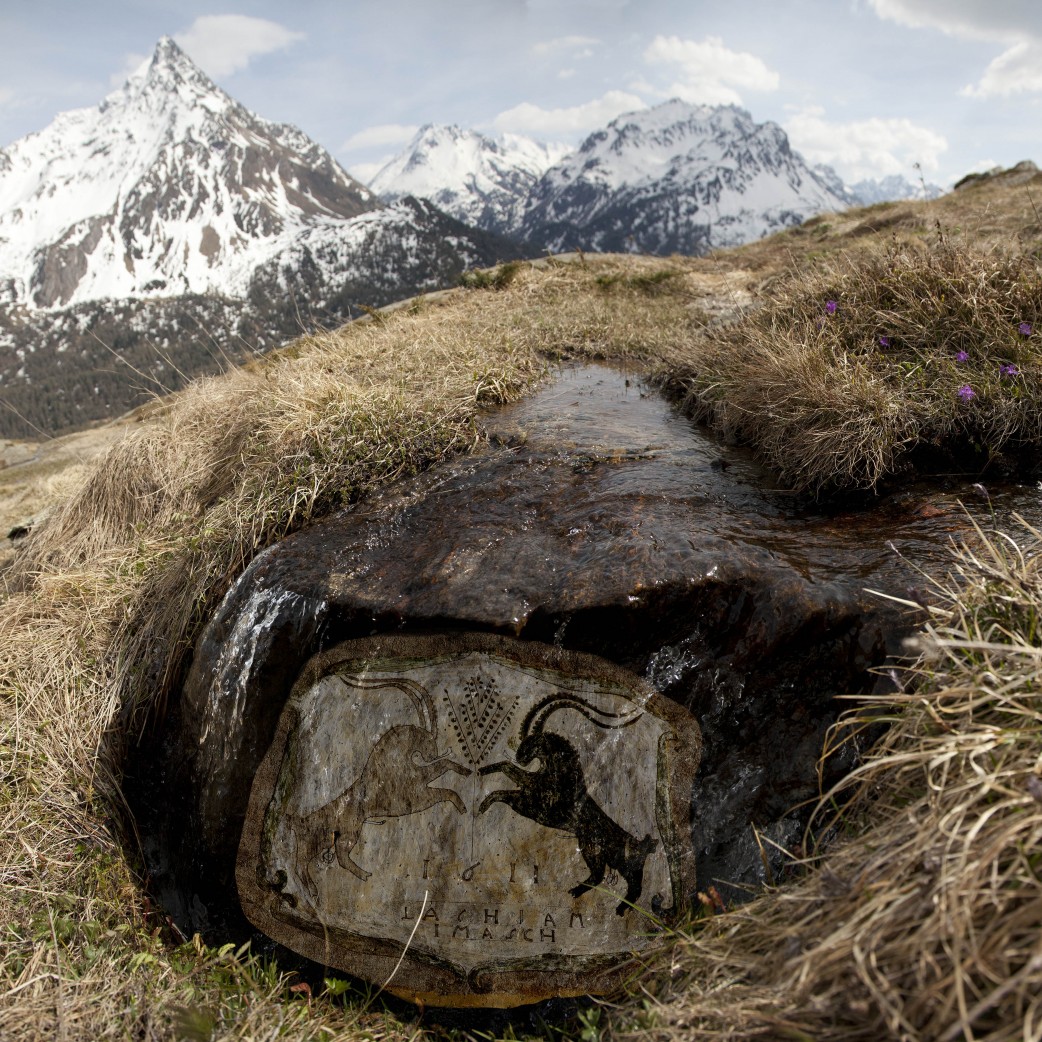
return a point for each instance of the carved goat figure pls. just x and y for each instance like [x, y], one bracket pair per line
[395, 781]
[555, 795]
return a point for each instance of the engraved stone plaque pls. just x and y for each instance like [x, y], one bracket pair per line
[471, 819]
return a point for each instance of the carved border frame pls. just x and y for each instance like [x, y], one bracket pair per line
[432, 981]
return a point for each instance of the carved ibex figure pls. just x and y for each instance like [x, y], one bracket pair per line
[555, 795]
[394, 781]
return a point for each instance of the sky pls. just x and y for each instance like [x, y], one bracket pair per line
[871, 87]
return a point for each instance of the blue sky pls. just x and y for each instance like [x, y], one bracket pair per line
[870, 86]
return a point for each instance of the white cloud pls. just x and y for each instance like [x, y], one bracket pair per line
[527, 118]
[365, 172]
[1015, 23]
[707, 71]
[6, 95]
[1012, 72]
[380, 136]
[582, 44]
[868, 148]
[1003, 20]
[221, 44]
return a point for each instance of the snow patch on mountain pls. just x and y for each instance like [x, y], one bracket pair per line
[480, 180]
[675, 178]
[835, 184]
[409, 243]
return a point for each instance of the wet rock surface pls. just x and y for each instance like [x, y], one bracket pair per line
[597, 522]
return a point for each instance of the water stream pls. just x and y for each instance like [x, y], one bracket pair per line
[611, 417]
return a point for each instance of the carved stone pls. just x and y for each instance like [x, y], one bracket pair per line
[471, 819]
[595, 521]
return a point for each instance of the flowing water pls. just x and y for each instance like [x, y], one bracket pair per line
[611, 417]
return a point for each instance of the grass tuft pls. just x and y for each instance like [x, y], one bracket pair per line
[498, 277]
[924, 920]
[659, 280]
[914, 355]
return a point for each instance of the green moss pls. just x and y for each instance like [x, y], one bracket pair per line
[496, 278]
[652, 283]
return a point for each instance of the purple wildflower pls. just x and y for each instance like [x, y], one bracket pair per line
[966, 392]
[830, 306]
[962, 356]
[884, 341]
[1024, 328]
[1009, 370]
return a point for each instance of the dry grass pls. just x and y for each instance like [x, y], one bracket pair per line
[999, 210]
[850, 374]
[925, 920]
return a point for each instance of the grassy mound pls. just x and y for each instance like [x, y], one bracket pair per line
[923, 922]
[909, 356]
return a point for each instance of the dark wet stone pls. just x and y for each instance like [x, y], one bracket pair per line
[597, 521]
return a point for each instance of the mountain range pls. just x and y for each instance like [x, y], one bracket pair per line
[169, 231]
[673, 178]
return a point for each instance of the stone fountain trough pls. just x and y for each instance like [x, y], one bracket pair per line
[483, 737]
[471, 818]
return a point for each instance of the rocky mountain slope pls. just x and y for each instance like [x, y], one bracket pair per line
[676, 178]
[483, 181]
[495, 183]
[180, 208]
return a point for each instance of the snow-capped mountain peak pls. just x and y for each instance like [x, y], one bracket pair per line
[676, 177]
[172, 83]
[168, 186]
[478, 179]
